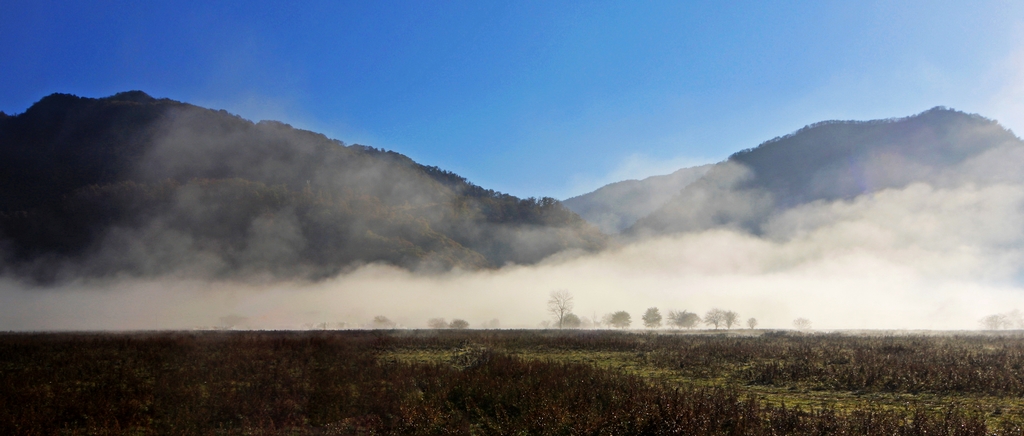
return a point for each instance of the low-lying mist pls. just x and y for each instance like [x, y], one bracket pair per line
[912, 258]
[217, 222]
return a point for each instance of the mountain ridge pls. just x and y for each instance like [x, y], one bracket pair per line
[616, 206]
[86, 180]
[139, 186]
[836, 160]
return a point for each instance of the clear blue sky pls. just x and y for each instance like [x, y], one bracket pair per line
[531, 98]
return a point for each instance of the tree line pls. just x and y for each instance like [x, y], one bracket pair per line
[561, 305]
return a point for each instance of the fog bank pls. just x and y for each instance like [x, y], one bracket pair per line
[912, 258]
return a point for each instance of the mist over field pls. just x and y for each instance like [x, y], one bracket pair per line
[914, 258]
[199, 219]
[659, 217]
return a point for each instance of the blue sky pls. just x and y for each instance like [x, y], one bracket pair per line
[531, 98]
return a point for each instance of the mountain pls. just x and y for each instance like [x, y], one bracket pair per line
[615, 207]
[839, 160]
[133, 185]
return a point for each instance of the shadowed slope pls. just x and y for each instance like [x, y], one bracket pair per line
[137, 185]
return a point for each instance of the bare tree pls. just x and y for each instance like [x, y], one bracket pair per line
[715, 317]
[620, 319]
[458, 324]
[492, 324]
[593, 322]
[437, 323]
[752, 323]
[802, 324]
[731, 319]
[652, 318]
[560, 305]
[683, 319]
[995, 322]
[999, 321]
[672, 317]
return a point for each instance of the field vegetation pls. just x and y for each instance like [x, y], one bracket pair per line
[510, 382]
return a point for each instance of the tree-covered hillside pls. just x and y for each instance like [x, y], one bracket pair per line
[616, 206]
[134, 185]
[840, 160]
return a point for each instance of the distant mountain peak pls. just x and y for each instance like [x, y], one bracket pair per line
[131, 96]
[838, 160]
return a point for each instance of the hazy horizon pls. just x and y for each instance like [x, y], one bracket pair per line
[546, 100]
[940, 251]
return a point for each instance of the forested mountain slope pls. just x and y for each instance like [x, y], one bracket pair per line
[616, 206]
[840, 160]
[134, 185]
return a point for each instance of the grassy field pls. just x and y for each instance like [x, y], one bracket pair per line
[510, 382]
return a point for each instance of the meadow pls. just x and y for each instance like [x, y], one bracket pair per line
[511, 382]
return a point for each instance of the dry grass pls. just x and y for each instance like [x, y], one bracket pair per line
[502, 382]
